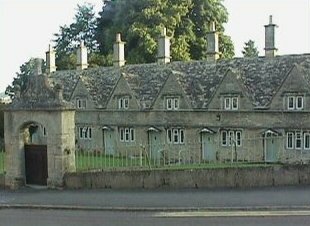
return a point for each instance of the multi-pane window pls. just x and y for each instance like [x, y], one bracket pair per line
[231, 103]
[172, 103]
[80, 103]
[231, 137]
[175, 136]
[123, 103]
[126, 134]
[298, 140]
[295, 102]
[85, 132]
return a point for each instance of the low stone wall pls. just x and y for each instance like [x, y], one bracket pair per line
[198, 178]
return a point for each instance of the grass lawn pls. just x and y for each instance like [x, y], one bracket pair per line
[2, 156]
[89, 161]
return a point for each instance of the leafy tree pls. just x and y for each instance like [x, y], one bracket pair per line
[69, 37]
[1, 122]
[250, 50]
[140, 22]
[22, 76]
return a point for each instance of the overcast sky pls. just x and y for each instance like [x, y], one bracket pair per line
[27, 27]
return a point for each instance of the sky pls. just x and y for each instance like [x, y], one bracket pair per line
[27, 27]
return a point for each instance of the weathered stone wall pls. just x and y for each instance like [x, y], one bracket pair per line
[251, 123]
[199, 178]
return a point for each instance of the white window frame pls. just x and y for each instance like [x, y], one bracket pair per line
[290, 140]
[172, 103]
[298, 140]
[238, 137]
[175, 136]
[44, 131]
[227, 103]
[293, 102]
[302, 102]
[307, 143]
[81, 103]
[231, 103]
[85, 133]
[123, 102]
[126, 134]
[224, 138]
[231, 137]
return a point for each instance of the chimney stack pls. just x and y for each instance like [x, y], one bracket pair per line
[50, 60]
[163, 51]
[119, 52]
[212, 44]
[81, 57]
[270, 49]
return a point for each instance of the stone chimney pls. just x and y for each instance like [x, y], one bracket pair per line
[50, 60]
[212, 44]
[119, 51]
[81, 57]
[37, 70]
[163, 51]
[270, 49]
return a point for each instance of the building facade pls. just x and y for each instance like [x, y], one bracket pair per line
[255, 105]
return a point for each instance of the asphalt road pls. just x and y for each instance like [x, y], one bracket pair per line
[24, 217]
[257, 206]
[196, 198]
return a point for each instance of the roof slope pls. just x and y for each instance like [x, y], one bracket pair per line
[260, 76]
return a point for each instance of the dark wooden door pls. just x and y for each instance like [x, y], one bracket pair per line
[36, 164]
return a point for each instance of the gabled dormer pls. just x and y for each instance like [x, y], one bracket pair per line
[292, 94]
[122, 97]
[80, 96]
[230, 94]
[171, 97]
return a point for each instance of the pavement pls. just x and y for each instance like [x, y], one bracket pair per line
[270, 198]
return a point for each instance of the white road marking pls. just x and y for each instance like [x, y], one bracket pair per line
[235, 213]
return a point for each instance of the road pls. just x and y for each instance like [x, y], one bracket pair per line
[26, 217]
[258, 206]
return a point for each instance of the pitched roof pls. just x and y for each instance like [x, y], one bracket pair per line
[260, 76]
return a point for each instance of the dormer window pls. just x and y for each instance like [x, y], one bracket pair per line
[295, 102]
[172, 103]
[80, 103]
[123, 102]
[231, 103]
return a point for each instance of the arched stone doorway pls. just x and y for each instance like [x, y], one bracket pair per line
[39, 121]
[35, 148]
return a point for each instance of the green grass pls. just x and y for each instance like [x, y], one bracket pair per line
[2, 156]
[93, 161]
[88, 161]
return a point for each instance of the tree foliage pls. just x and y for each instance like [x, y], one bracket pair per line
[250, 50]
[140, 22]
[69, 37]
[22, 76]
[1, 121]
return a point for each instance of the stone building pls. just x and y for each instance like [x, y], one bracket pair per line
[255, 105]
[206, 106]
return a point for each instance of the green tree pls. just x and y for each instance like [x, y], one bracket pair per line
[22, 76]
[69, 37]
[140, 22]
[1, 121]
[250, 50]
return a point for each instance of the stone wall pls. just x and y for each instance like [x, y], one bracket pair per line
[199, 178]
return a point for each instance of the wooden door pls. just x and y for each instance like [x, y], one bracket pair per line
[108, 141]
[208, 150]
[271, 147]
[155, 145]
[36, 164]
